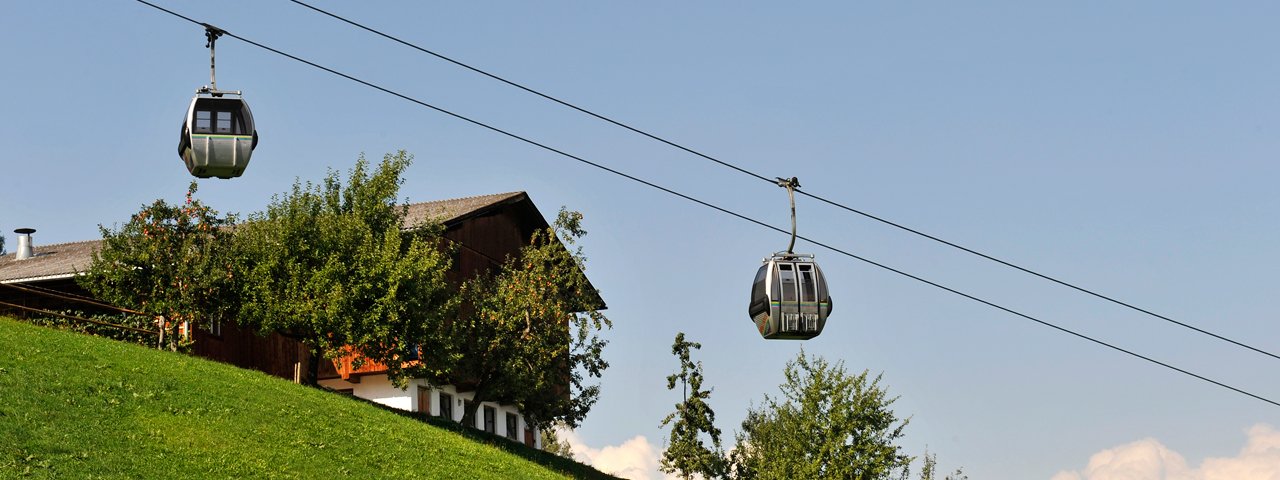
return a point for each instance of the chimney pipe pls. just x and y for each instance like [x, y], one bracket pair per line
[24, 244]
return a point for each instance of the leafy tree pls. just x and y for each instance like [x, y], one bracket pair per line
[929, 469]
[330, 265]
[686, 455]
[170, 262]
[826, 424]
[551, 441]
[530, 330]
[2, 252]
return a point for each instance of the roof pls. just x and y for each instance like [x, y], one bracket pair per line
[63, 260]
[458, 209]
[50, 262]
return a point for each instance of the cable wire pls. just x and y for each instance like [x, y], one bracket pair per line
[720, 209]
[771, 181]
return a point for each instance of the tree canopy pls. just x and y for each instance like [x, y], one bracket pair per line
[331, 265]
[686, 455]
[826, 424]
[168, 261]
[530, 330]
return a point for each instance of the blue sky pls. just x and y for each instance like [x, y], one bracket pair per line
[1128, 147]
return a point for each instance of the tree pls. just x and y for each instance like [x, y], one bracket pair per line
[170, 262]
[826, 424]
[552, 443]
[530, 331]
[330, 265]
[2, 252]
[930, 466]
[686, 455]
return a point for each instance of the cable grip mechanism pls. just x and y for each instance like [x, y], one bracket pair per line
[211, 34]
[791, 185]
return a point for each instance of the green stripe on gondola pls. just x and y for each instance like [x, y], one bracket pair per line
[779, 304]
[237, 137]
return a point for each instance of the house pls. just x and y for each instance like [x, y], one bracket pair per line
[485, 229]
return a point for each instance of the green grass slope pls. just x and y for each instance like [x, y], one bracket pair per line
[75, 406]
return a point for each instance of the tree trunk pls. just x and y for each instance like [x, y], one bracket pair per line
[160, 328]
[313, 368]
[477, 399]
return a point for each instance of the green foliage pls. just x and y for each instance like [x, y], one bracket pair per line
[552, 443]
[686, 454]
[330, 265]
[170, 262]
[75, 406]
[826, 424]
[531, 330]
[929, 469]
[104, 331]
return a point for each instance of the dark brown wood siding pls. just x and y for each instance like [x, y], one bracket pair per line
[273, 354]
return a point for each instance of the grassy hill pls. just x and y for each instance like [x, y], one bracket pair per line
[76, 406]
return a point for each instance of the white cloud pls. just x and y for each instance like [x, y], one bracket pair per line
[635, 459]
[1148, 459]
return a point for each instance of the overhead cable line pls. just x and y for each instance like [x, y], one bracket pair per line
[534, 92]
[716, 207]
[772, 181]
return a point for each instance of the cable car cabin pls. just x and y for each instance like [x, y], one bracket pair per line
[217, 137]
[789, 299]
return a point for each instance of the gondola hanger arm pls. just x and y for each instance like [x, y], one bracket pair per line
[791, 185]
[211, 34]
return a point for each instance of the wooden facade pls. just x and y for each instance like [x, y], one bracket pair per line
[273, 354]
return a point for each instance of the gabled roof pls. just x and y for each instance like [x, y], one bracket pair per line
[65, 259]
[50, 262]
[455, 210]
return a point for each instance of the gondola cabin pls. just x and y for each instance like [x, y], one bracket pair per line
[789, 298]
[218, 137]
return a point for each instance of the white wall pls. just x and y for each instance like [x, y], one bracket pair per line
[379, 389]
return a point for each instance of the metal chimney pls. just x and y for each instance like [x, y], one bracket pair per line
[24, 244]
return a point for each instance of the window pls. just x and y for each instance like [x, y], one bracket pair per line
[446, 406]
[788, 281]
[203, 122]
[219, 122]
[411, 352]
[806, 286]
[490, 419]
[512, 423]
[757, 287]
[224, 122]
[469, 406]
[424, 399]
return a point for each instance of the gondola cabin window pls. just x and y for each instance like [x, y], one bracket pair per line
[788, 278]
[204, 122]
[757, 287]
[223, 122]
[219, 122]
